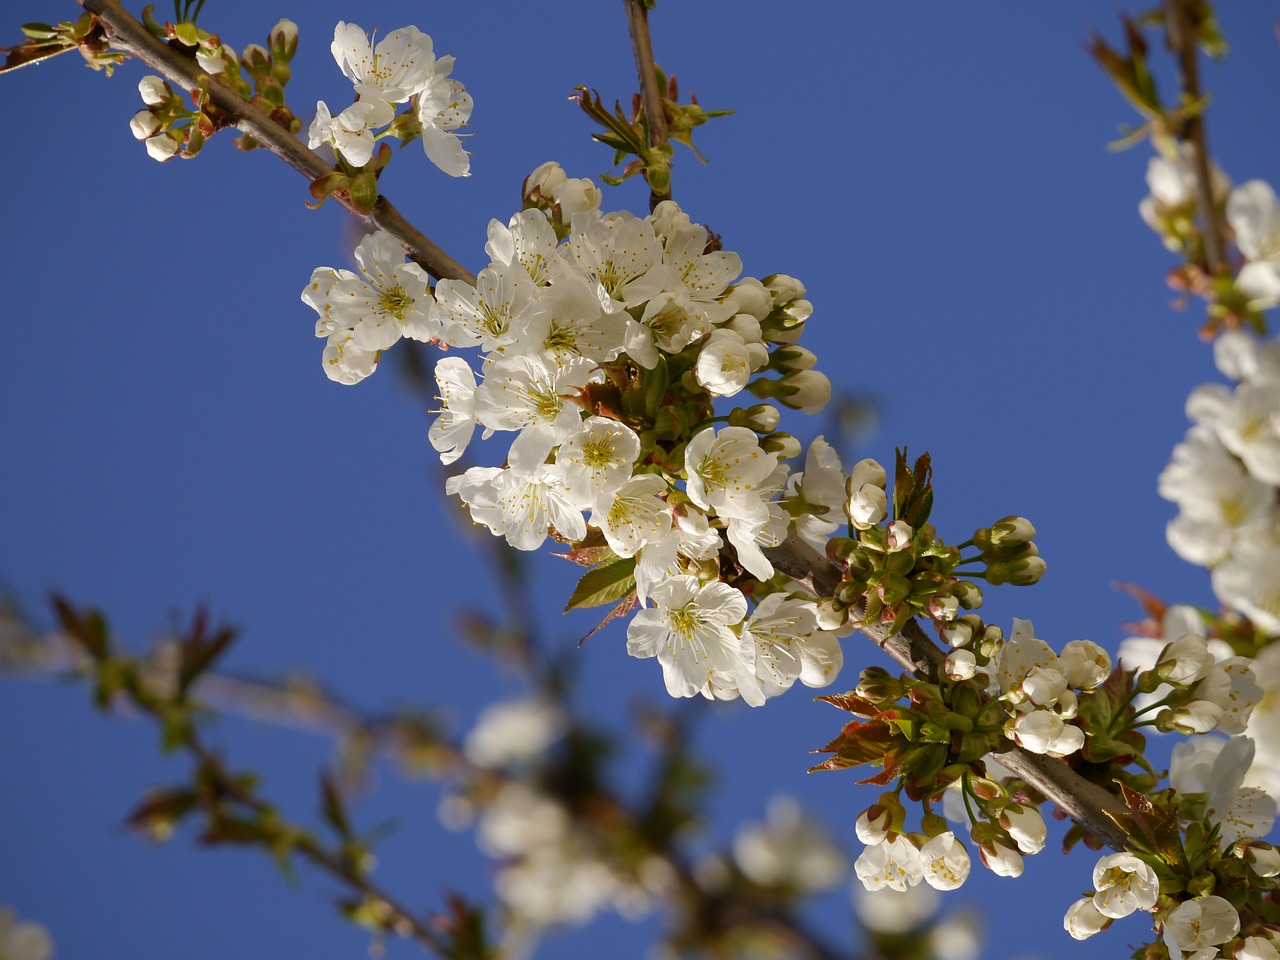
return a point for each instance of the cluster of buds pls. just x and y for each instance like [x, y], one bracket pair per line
[169, 129]
[898, 568]
[1200, 694]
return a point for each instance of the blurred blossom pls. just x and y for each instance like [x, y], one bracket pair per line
[22, 941]
[789, 850]
[518, 731]
[893, 911]
[957, 936]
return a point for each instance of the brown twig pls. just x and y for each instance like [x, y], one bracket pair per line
[130, 36]
[1182, 37]
[1085, 802]
[647, 71]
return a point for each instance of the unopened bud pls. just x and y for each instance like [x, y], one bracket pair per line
[154, 91]
[791, 358]
[959, 632]
[164, 146]
[968, 593]
[831, 614]
[943, 607]
[211, 61]
[283, 40]
[960, 665]
[762, 418]
[783, 444]
[144, 125]
[749, 296]
[879, 686]
[256, 61]
[900, 535]
[1184, 661]
[744, 325]
[1021, 572]
[783, 288]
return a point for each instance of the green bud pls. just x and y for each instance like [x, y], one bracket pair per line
[283, 40]
[893, 589]
[933, 825]
[879, 686]
[762, 418]
[783, 444]
[256, 61]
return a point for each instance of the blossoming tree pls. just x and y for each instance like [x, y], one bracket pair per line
[630, 391]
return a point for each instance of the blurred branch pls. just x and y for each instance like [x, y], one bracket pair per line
[129, 35]
[1183, 38]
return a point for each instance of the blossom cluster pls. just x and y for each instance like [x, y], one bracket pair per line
[401, 68]
[605, 341]
[1224, 478]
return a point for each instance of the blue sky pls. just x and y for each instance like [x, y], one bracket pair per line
[937, 176]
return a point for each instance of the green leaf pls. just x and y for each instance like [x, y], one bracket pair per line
[607, 583]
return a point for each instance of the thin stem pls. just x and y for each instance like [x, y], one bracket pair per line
[647, 71]
[1182, 36]
[130, 36]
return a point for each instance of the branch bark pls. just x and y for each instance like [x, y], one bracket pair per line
[1084, 801]
[130, 36]
[646, 70]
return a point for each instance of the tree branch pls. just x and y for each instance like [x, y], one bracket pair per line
[1182, 36]
[646, 70]
[130, 36]
[1084, 801]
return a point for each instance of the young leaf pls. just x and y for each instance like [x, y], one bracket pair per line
[606, 583]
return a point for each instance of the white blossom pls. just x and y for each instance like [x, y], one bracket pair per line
[1123, 884]
[895, 864]
[789, 850]
[1254, 215]
[22, 941]
[1196, 927]
[690, 633]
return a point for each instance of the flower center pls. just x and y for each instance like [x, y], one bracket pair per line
[598, 453]
[395, 302]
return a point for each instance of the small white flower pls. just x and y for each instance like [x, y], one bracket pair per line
[1194, 925]
[724, 470]
[389, 303]
[636, 516]
[1254, 215]
[690, 634]
[596, 461]
[1083, 920]
[444, 106]
[350, 132]
[451, 431]
[946, 862]
[1123, 884]
[154, 90]
[1000, 859]
[723, 366]
[491, 314]
[523, 393]
[144, 124]
[400, 65]
[164, 146]
[895, 864]
[868, 502]
[1085, 664]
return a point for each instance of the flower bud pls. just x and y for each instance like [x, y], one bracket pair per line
[1083, 919]
[959, 632]
[1000, 858]
[968, 593]
[1085, 664]
[1258, 948]
[1025, 826]
[831, 613]
[783, 444]
[256, 61]
[744, 325]
[1184, 661]
[942, 607]
[805, 390]
[783, 288]
[960, 665]
[1263, 858]
[791, 358]
[762, 418]
[872, 825]
[879, 686]
[144, 125]
[1020, 573]
[211, 61]
[749, 296]
[164, 146]
[154, 91]
[900, 535]
[283, 40]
